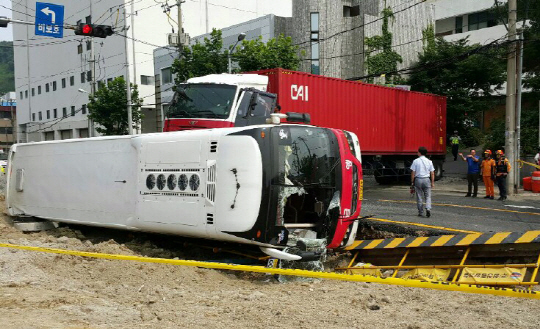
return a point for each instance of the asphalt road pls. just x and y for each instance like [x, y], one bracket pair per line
[451, 208]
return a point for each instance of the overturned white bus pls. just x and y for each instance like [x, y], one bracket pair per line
[256, 185]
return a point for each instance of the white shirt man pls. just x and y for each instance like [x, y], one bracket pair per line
[423, 179]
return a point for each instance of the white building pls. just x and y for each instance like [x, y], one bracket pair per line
[50, 72]
[457, 19]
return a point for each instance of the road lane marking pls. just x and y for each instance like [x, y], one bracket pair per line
[421, 225]
[469, 207]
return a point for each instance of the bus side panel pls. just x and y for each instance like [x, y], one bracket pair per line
[90, 181]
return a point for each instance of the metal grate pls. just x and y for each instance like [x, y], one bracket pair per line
[210, 219]
[211, 183]
[172, 194]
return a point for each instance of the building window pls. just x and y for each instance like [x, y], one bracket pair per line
[88, 45]
[40, 116]
[33, 92]
[63, 82]
[39, 90]
[349, 11]
[33, 117]
[64, 112]
[54, 86]
[73, 111]
[166, 75]
[72, 80]
[83, 109]
[48, 114]
[55, 113]
[315, 51]
[83, 77]
[459, 24]
[26, 94]
[147, 80]
[46, 87]
[21, 95]
[89, 76]
[481, 20]
[79, 49]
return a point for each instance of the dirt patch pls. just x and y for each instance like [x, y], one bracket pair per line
[39, 290]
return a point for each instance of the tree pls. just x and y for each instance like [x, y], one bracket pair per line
[7, 77]
[386, 60]
[467, 75]
[108, 108]
[201, 59]
[277, 52]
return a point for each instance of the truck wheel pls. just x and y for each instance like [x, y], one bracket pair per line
[438, 169]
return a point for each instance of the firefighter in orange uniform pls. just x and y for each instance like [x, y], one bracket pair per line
[502, 168]
[487, 168]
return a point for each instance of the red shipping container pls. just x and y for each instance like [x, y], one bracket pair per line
[388, 121]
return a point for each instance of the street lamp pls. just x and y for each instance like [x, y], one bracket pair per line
[241, 37]
[90, 122]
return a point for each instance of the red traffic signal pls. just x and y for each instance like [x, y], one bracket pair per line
[87, 29]
[91, 30]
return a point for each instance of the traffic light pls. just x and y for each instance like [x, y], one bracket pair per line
[4, 21]
[91, 30]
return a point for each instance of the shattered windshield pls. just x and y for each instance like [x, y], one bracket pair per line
[202, 101]
[307, 156]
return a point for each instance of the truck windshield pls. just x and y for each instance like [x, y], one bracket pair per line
[202, 101]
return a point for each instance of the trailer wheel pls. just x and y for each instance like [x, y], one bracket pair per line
[438, 169]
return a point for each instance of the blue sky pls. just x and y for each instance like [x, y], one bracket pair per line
[6, 34]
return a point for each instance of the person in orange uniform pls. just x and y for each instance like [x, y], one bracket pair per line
[502, 168]
[487, 168]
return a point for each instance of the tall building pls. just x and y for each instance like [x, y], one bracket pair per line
[8, 108]
[53, 76]
[331, 33]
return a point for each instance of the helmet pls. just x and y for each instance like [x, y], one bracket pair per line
[487, 152]
[500, 152]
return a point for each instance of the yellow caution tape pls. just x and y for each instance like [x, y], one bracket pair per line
[468, 288]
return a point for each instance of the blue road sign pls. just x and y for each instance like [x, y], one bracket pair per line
[49, 20]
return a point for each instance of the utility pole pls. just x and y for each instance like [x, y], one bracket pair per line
[128, 86]
[180, 27]
[511, 94]
[92, 62]
[517, 171]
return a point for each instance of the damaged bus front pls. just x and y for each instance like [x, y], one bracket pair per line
[312, 186]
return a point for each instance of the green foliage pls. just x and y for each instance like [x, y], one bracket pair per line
[7, 76]
[465, 74]
[529, 132]
[256, 55]
[386, 60]
[108, 108]
[201, 59]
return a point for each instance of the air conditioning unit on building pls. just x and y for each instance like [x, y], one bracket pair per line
[175, 40]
